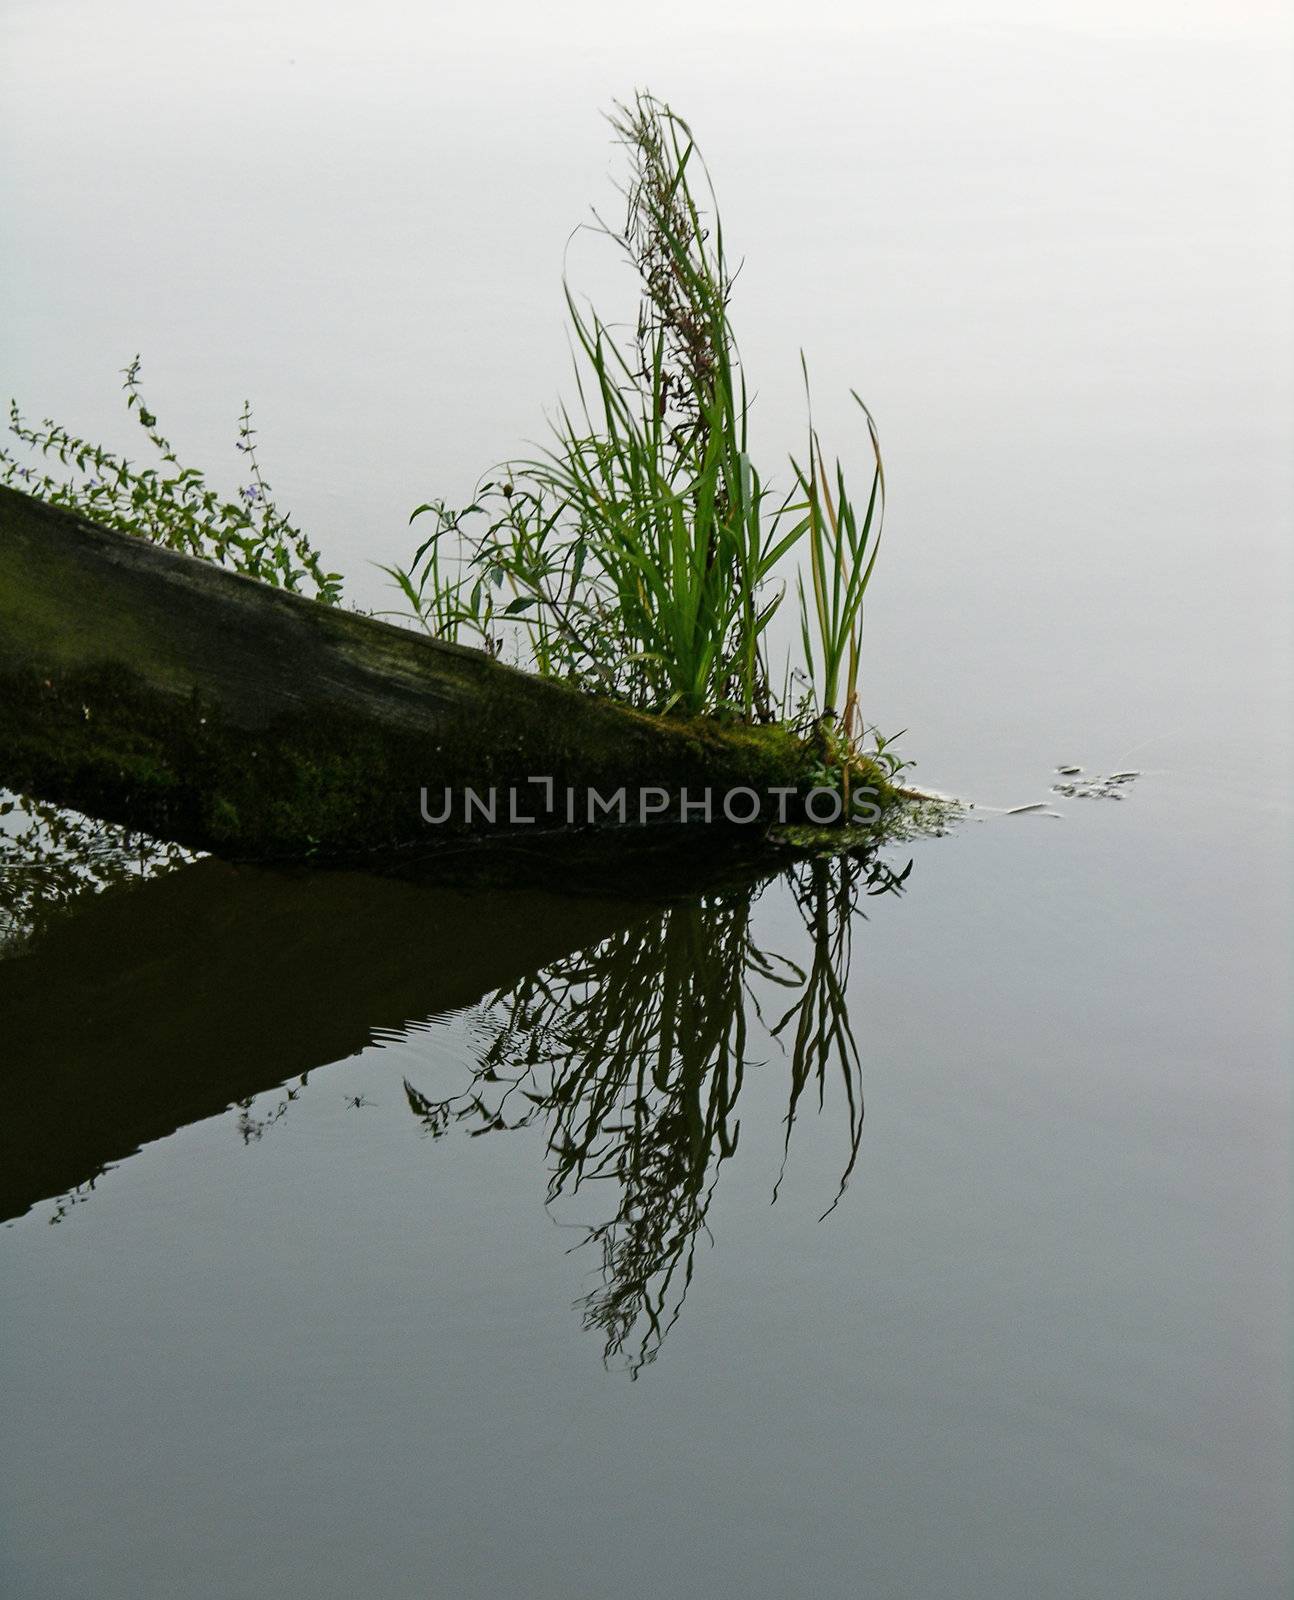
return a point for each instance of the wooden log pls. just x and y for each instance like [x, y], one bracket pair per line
[174, 697]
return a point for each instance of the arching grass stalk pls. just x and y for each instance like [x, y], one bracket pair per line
[842, 554]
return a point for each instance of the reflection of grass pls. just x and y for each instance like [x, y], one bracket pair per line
[50, 856]
[632, 1056]
[825, 892]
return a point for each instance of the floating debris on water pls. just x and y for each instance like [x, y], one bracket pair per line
[1094, 788]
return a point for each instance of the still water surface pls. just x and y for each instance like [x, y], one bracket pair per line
[291, 1306]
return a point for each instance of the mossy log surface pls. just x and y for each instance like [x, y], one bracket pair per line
[177, 698]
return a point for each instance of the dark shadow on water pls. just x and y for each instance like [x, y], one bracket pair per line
[129, 1013]
[139, 995]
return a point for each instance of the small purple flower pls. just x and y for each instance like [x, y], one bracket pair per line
[25, 472]
[251, 494]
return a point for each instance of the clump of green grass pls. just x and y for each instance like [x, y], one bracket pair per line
[171, 504]
[642, 555]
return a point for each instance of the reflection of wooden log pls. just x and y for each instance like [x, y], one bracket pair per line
[169, 695]
[155, 1005]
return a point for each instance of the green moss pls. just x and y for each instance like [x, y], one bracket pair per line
[53, 605]
[329, 785]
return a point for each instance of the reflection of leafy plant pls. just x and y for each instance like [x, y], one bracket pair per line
[252, 1128]
[170, 504]
[632, 1058]
[632, 1055]
[67, 1203]
[50, 856]
[825, 891]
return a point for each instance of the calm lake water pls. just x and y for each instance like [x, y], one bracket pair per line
[300, 1298]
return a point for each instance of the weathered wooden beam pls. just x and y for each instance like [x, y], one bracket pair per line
[171, 696]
